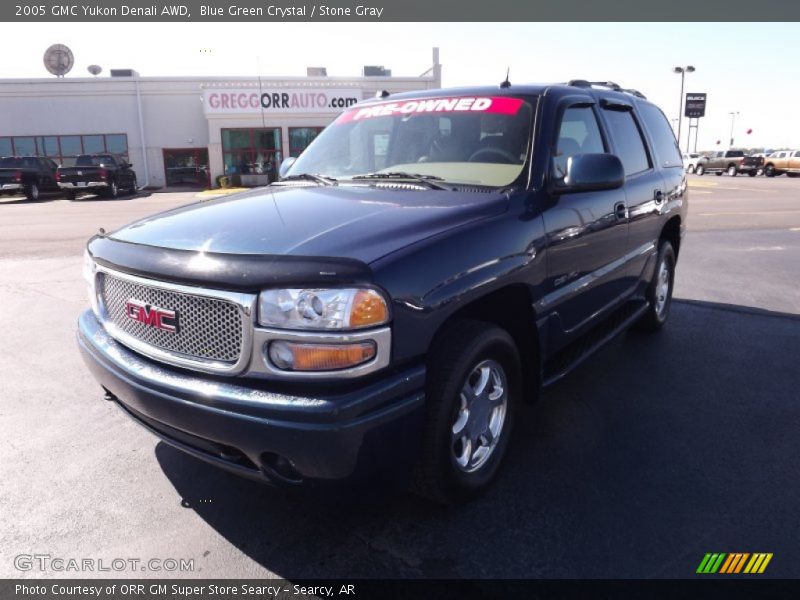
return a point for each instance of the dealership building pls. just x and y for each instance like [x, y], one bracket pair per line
[185, 130]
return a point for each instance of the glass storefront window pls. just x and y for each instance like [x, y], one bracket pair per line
[93, 144]
[25, 146]
[5, 146]
[71, 145]
[117, 144]
[48, 146]
[300, 137]
[251, 151]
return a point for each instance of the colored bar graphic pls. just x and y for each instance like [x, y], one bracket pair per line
[711, 563]
[727, 564]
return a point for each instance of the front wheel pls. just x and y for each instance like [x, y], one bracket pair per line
[690, 169]
[659, 292]
[473, 388]
[769, 171]
[700, 170]
[732, 171]
[112, 191]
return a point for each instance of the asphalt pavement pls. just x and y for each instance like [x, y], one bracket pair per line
[657, 450]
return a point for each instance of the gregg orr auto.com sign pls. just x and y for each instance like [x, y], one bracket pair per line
[278, 100]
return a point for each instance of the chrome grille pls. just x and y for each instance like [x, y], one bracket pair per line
[209, 329]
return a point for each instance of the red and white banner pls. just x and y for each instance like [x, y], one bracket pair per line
[486, 104]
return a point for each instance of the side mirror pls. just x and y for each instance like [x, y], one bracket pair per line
[590, 173]
[285, 166]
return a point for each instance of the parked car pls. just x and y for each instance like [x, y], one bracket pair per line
[29, 175]
[430, 262]
[752, 165]
[782, 161]
[690, 161]
[103, 174]
[724, 161]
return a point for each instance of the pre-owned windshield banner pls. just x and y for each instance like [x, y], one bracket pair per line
[485, 104]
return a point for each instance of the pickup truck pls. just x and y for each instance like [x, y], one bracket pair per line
[29, 175]
[782, 161]
[429, 263]
[724, 161]
[102, 174]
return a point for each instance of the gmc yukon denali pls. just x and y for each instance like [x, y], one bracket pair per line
[429, 263]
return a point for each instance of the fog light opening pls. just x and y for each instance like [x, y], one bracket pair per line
[279, 467]
[296, 356]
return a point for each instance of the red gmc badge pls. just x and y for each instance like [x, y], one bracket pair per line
[152, 316]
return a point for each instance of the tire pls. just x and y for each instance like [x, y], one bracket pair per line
[690, 169]
[769, 171]
[32, 192]
[468, 354]
[69, 195]
[732, 172]
[659, 292]
[792, 174]
[134, 186]
[700, 170]
[718, 173]
[751, 173]
[112, 191]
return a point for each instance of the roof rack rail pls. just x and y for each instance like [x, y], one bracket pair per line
[605, 84]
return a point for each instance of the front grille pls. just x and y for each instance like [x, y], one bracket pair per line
[208, 328]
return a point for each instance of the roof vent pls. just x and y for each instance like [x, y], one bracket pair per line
[374, 71]
[316, 72]
[123, 73]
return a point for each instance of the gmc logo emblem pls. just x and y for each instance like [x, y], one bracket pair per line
[152, 316]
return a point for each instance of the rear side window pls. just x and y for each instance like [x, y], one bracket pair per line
[628, 141]
[665, 145]
[578, 134]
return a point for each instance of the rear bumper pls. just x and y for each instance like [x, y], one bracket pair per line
[323, 435]
[69, 185]
[9, 187]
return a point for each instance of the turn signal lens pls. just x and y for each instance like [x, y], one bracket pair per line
[369, 308]
[291, 356]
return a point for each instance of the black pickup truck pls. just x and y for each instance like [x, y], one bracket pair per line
[103, 174]
[430, 262]
[29, 175]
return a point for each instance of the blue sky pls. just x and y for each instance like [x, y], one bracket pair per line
[746, 67]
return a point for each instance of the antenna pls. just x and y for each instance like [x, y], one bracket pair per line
[506, 83]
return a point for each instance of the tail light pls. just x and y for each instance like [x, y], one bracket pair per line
[58, 176]
[17, 176]
[103, 173]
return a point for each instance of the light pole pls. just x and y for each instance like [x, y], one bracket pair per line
[733, 121]
[682, 71]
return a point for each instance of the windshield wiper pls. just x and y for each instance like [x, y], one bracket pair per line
[321, 179]
[429, 180]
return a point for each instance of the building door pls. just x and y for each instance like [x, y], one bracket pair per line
[186, 167]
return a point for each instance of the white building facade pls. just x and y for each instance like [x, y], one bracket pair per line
[183, 130]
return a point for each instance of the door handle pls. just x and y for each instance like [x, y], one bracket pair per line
[620, 211]
[658, 196]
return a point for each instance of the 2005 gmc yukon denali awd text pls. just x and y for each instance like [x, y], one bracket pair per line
[427, 264]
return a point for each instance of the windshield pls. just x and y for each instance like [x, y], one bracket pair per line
[465, 140]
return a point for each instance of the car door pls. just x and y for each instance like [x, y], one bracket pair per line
[586, 232]
[48, 170]
[658, 188]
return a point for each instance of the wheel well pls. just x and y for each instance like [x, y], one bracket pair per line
[672, 233]
[510, 308]
[731, 165]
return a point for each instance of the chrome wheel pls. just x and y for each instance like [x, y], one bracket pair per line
[480, 417]
[662, 288]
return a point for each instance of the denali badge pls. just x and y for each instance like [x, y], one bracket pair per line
[152, 316]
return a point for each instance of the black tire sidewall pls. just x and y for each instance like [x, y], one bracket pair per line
[665, 252]
[443, 397]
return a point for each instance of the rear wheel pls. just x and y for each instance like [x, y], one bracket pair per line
[69, 195]
[659, 292]
[32, 191]
[473, 388]
[690, 169]
[112, 191]
[732, 171]
[751, 173]
[700, 170]
[718, 173]
[769, 171]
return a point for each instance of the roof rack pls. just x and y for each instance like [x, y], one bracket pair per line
[605, 84]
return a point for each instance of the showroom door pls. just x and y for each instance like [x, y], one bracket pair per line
[186, 167]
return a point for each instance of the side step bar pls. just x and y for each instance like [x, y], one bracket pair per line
[569, 358]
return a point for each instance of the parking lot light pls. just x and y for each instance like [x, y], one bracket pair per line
[682, 71]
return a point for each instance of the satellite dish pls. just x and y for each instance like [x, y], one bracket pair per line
[58, 60]
[95, 69]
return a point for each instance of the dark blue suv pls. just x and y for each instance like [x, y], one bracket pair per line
[427, 264]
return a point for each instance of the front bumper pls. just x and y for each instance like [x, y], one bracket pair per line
[243, 425]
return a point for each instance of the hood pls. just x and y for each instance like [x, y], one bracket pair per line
[360, 223]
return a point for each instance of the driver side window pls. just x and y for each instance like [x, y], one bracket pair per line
[578, 133]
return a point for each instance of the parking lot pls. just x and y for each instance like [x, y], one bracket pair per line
[656, 451]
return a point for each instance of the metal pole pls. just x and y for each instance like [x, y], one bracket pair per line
[733, 120]
[696, 134]
[680, 107]
[141, 133]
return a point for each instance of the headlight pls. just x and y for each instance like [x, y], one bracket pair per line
[345, 308]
